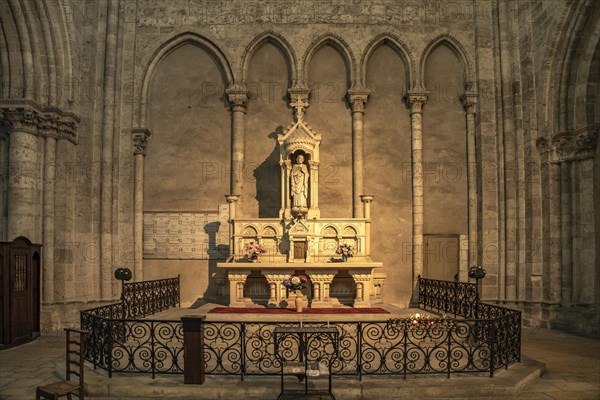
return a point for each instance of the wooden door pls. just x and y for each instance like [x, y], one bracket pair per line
[441, 257]
[20, 298]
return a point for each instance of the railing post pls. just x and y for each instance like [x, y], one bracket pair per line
[193, 349]
[110, 345]
[492, 333]
[359, 350]
[243, 350]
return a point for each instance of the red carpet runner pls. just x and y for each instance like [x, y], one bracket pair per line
[257, 310]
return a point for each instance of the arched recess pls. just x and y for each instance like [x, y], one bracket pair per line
[269, 69]
[446, 210]
[457, 48]
[35, 54]
[338, 44]
[387, 39]
[278, 41]
[164, 50]
[387, 134]
[329, 70]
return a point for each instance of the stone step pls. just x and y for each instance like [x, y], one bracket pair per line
[505, 384]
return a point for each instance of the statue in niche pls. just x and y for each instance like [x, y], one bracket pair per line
[299, 185]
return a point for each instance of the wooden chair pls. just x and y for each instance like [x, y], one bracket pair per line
[75, 350]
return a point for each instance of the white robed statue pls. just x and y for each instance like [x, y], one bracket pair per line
[299, 184]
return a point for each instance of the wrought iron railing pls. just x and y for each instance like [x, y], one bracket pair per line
[398, 347]
[451, 297]
[120, 343]
[149, 297]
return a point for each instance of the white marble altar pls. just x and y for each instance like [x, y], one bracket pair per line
[300, 241]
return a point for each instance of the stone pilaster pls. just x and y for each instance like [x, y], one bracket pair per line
[238, 97]
[469, 100]
[140, 139]
[358, 98]
[321, 282]
[416, 99]
[275, 281]
[237, 280]
[363, 283]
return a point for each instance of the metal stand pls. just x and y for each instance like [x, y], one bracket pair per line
[306, 339]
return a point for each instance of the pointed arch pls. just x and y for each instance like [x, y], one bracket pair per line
[164, 50]
[395, 44]
[329, 39]
[278, 41]
[454, 45]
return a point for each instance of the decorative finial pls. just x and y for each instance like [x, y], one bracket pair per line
[299, 104]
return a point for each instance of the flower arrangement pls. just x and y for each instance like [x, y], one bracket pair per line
[345, 250]
[253, 250]
[477, 272]
[295, 283]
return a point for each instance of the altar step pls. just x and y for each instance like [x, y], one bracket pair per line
[506, 384]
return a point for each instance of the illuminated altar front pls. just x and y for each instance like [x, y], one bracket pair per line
[300, 241]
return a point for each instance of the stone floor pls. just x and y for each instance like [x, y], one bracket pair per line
[572, 372]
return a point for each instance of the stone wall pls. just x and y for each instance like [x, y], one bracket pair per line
[150, 106]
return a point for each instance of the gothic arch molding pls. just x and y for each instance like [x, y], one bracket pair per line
[164, 50]
[395, 44]
[569, 67]
[278, 41]
[340, 46]
[35, 54]
[454, 45]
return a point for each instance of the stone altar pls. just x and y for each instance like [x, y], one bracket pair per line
[300, 241]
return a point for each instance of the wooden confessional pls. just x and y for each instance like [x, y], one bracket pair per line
[20, 263]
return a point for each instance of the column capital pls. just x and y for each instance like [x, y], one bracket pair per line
[366, 198]
[357, 97]
[299, 91]
[416, 99]
[237, 95]
[28, 116]
[578, 145]
[232, 198]
[140, 139]
[469, 100]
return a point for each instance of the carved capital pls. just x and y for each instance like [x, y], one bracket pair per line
[232, 198]
[28, 116]
[469, 100]
[416, 99]
[357, 97]
[578, 145]
[237, 95]
[366, 198]
[569, 146]
[140, 139]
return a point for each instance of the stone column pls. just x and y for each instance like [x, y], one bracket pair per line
[140, 138]
[23, 175]
[238, 97]
[366, 200]
[232, 200]
[363, 281]
[416, 99]
[469, 100]
[50, 134]
[358, 99]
